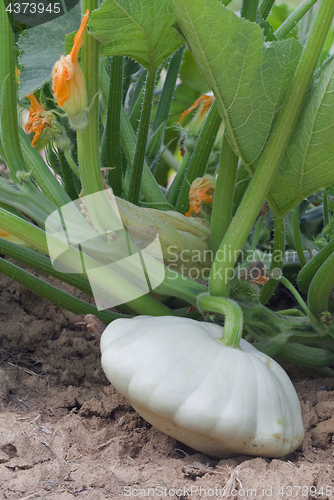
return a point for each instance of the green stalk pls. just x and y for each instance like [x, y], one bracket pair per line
[150, 188]
[293, 19]
[265, 8]
[111, 142]
[107, 280]
[138, 161]
[299, 299]
[242, 181]
[277, 261]
[50, 292]
[297, 236]
[262, 179]
[42, 263]
[47, 182]
[88, 138]
[136, 99]
[35, 205]
[321, 286]
[168, 90]
[224, 192]
[291, 312]
[249, 9]
[174, 189]
[71, 163]
[12, 152]
[177, 285]
[67, 173]
[233, 322]
[197, 165]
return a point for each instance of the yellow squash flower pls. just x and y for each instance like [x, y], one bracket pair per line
[69, 85]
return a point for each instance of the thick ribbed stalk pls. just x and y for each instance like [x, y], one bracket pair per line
[236, 236]
[8, 99]
[249, 9]
[224, 192]
[88, 138]
[138, 161]
[111, 142]
[265, 7]
[297, 236]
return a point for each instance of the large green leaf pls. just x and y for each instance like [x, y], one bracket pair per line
[141, 29]
[308, 162]
[248, 76]
[41, 47]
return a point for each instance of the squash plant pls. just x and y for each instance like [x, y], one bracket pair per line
[105, 118]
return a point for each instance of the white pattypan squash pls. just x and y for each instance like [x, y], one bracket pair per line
[216, 399]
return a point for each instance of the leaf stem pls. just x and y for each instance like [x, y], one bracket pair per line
[293, 19]
[265, 8]
[108, 280]
[297, 236]
[47, 182]
[88, 138]
[299, 299]
[150, 188]
[138, 161]
[8, 99]
[168, 90]
[50, 292]
[111, 141]
[42, 263]
[224, 193]
[249, 9]
[71, 163]
[262, 179]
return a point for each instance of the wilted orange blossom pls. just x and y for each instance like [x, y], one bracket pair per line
[198, 193]
[38, 119]
[205, 99]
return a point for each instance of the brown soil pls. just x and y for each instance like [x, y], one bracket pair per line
[65, 433]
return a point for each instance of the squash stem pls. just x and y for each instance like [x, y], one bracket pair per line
[233, 324]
